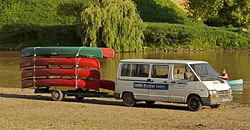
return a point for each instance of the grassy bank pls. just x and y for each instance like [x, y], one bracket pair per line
[39, 23]
[16, 37]
[164, 35]
[54, 23]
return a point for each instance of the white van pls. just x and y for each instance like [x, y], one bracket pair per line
[180, 81]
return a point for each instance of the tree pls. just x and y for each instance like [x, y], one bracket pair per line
[204, 9]
[221, 12]
[112, 23]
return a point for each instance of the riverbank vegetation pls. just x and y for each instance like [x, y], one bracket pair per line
[55, 23]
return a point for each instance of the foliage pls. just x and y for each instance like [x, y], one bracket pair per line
[39, 23]
[161, 11]
[112, 23]
[19, 36]
[43, 12]
[221, 12]
[164, 35]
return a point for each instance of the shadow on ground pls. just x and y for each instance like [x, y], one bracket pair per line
[96, 101]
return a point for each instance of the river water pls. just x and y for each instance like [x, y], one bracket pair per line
[236, 62]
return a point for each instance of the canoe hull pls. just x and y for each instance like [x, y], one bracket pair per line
[235, 82]
[236, 85]
[94, 74]
[83, 62]
[107, 84]
[88, 84]
[70, 51]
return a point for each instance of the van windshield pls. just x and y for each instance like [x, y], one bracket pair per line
[205, 71]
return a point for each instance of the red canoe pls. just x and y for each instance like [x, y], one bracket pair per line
[108, 52]
[84, 62]
[95, 74]
[90, 84]
[107, 84]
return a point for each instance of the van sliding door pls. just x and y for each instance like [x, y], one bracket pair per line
[159, 85]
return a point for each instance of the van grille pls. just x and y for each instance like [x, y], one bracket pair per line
[223, 93]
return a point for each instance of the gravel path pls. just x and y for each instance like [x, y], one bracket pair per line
[26, 110]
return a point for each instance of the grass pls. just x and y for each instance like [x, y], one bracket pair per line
[54, 23]
[165, 35]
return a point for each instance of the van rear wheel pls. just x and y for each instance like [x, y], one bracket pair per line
[128, 99]
[194, 103]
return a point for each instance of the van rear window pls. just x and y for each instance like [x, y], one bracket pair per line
[135, 70]
[160, 71]
[140, 70]
[125, 70]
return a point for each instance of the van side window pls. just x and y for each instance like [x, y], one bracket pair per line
[183, 72]
[140, 70]
[160, 71]
[125, 70]
[179, 71]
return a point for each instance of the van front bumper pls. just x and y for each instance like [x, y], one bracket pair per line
[215, 101]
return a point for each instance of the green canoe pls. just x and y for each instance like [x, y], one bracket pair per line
[57, 51]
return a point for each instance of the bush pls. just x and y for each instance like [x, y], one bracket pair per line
[19, 36]
[39, 22]
[164, 35]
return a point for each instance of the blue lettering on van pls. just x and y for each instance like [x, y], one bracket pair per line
[157, 86]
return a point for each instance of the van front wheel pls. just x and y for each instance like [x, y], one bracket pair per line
[128, 99]
[194, 103]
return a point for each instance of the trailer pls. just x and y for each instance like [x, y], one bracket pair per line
[79, 94]
[76, 69]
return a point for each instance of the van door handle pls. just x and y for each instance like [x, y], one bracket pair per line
[149, 80]
[173, 82]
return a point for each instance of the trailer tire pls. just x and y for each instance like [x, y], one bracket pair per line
[194, 103]
[128, 99]
[57, 95]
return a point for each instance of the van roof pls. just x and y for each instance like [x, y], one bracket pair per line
[161, 61]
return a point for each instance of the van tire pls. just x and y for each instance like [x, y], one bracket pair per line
[128, 99]
[194, 103]
[150, 102]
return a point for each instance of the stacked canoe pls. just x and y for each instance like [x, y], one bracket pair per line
[64, 66]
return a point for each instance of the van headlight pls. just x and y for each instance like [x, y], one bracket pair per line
[230, 91]
[212, 93]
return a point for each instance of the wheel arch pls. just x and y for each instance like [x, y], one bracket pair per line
[126, 92]
[193, 94]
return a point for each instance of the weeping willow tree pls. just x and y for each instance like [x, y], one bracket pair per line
[112, 23]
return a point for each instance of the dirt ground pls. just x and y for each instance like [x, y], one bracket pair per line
[26, 110]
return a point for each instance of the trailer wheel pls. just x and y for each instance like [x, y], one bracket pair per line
[194, 103]
[128, 99]
[57, 95]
